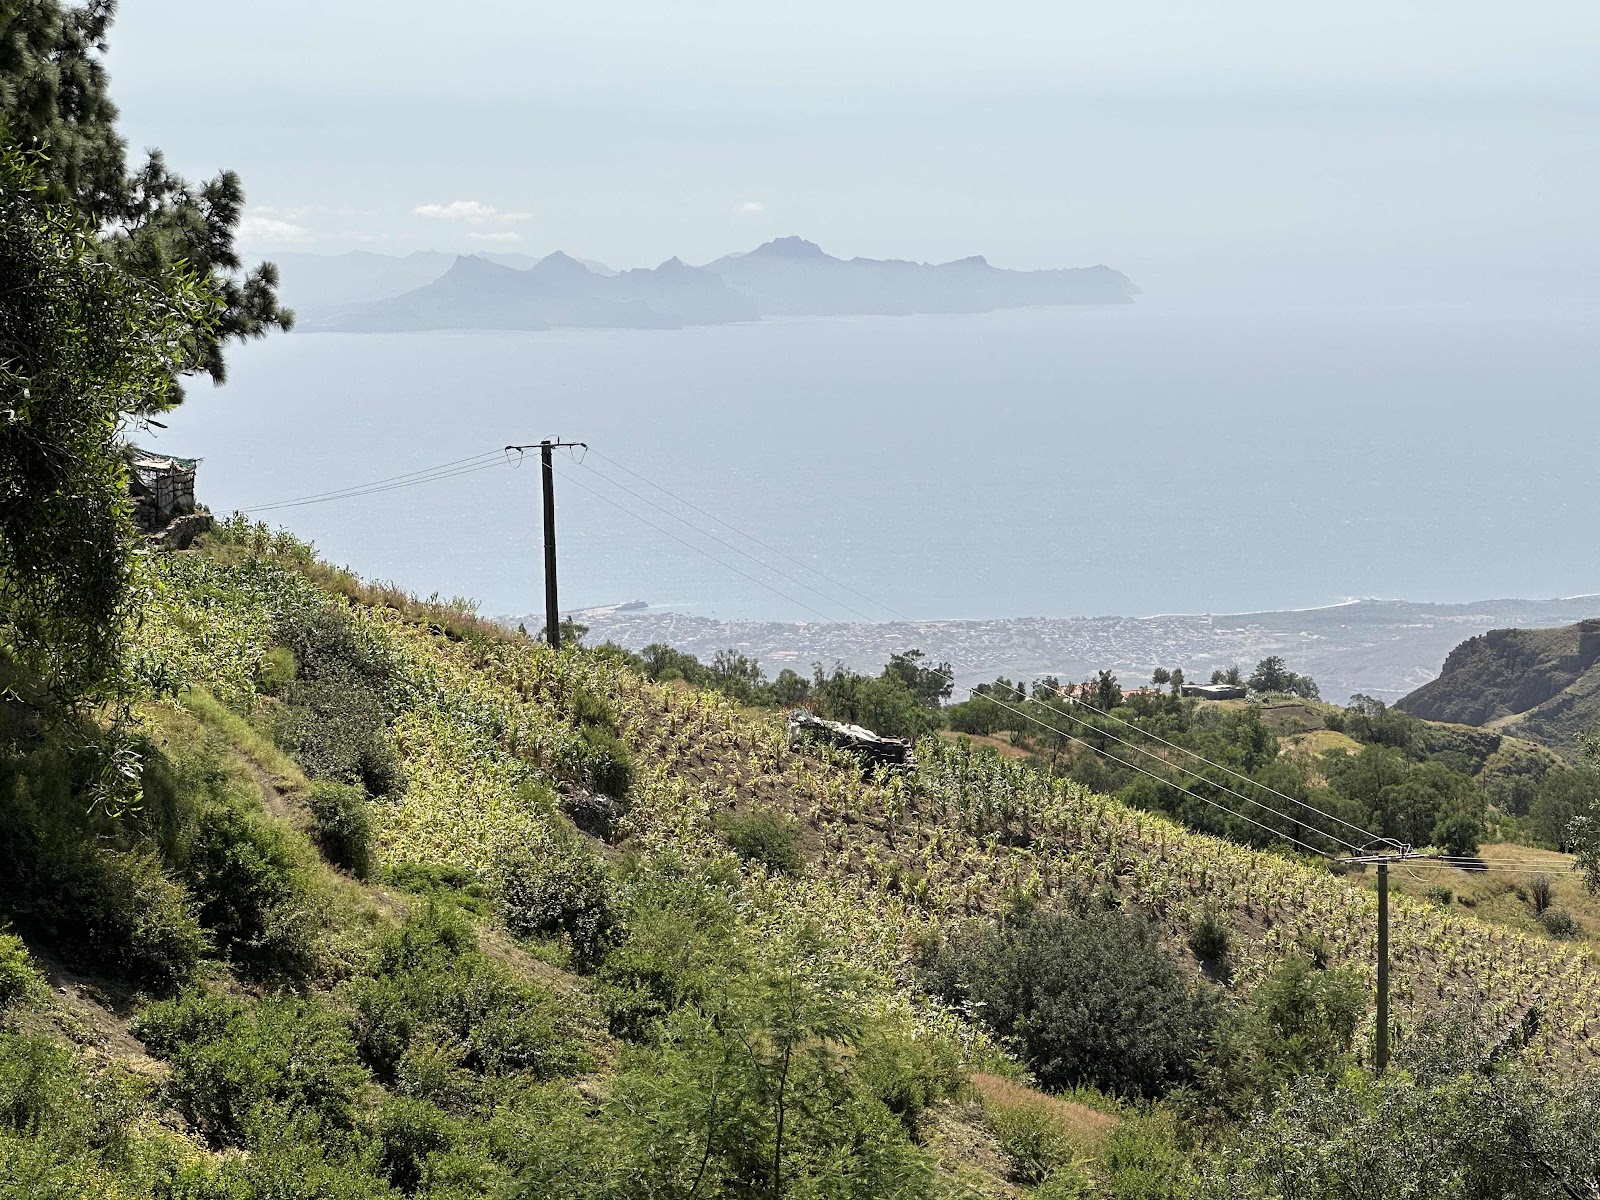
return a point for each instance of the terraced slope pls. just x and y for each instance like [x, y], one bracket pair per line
[892, 857]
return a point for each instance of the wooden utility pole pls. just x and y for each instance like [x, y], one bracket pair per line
[1381, 1050]
[547, 473]
[1400, 853]
[552, 611]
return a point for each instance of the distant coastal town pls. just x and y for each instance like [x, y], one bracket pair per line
[1381, 648]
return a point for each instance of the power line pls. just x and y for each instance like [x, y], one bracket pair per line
[692, 546]
[1184, 789]
[720, 541]
[1192, 774]
[742, 533]
[1237, 775]
[949, 676]
[449, 470]
[1036, 720]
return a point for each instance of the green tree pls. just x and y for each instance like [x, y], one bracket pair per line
[738, 677]
[790, 689]
[884, 705]
[930, 684]
[150, 222]
[84, 346]
[758, 1090]
[1107, 692]
[1270, 675]
[1562, 796]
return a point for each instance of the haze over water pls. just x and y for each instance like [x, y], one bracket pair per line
[1183, 454]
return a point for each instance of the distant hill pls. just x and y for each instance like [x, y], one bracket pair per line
[313, 284]
[1540, 684]
[556, 292]
[364, 293]
[793, 277]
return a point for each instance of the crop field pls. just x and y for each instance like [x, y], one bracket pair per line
[892, 857]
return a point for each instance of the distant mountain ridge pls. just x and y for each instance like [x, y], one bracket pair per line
[368, 293]
[1540, 684]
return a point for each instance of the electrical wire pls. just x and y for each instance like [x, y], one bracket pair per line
[490, 459]
[949, 676]
[752, 537]
[449, 470]
[1237, 775]
[722, 542]
[684, 542]
[1187, 790]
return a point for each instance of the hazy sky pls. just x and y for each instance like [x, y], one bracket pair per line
[1362, 143]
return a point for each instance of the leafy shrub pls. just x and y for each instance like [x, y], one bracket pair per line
[1558, 922]
[1470, 1133]
[1305, 1019]
[239, 1069]
[1031, 1138]
[343, 826]
[277, 669]
[409, 1133]
[1211, 940]
[39, 1083]
[678, 946]
[338, 730]
[909, 1073]
[253, 890]
[92, 883]
[63, 1128]
[432, 998]
[1146, 1158]
[1088, 993]
[443, 883]
[339, 708]
[1067, 1182]
[764, 837]
[1440, 894]
[588, 710]
[132, 916]
[552, 885]
[19, 978]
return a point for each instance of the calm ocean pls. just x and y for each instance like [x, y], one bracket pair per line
[1163, 457]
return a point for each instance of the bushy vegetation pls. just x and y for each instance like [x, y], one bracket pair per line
[695, 1005]
[343, 826]
[1089, 995]
[903, 700]
[19, 978]
[764, 837]
[552, 885]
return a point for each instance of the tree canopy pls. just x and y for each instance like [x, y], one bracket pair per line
[83, 344]
[55, 105]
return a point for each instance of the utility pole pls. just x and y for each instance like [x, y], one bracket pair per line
[1381, 1050]
[1380, 1046]
[547, 472]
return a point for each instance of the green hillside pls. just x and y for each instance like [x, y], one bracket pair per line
[1538, 684]
[411, 906]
